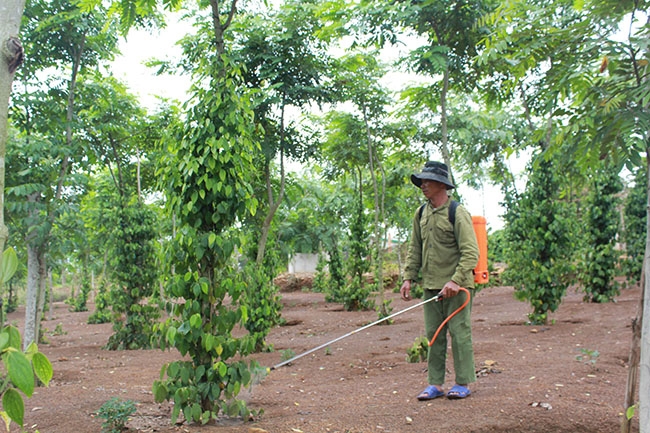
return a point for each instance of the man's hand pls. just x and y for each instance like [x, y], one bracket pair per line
[451, 289]
[405, 290]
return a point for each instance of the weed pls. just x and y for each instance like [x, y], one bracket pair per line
[587, 356]
[116, 413]
[58, 330]
[418, 352]
[287, 354]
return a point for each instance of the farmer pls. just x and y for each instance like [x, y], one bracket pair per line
[446, 256]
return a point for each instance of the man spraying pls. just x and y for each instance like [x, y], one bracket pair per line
[446, 255]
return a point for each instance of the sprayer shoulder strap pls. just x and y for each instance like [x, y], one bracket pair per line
[452, 212]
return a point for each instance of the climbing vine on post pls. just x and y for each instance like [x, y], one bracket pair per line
[539, 243]
[635, 227]
[133, 244]
[602, 222]
[205, 180]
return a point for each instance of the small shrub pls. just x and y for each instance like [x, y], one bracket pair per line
[418, 352]
[116, 413]
[588, 357]
[287, 354]
[58, 329]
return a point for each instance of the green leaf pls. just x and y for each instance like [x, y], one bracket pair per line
[42, 368]
[171, 335]
[15, 340]
[196, 321]
[20, 371]
[31, 350]
[9, 264]
[13, 404]
[4, 340]
[159, 391]
[185, 375]
[222, 368]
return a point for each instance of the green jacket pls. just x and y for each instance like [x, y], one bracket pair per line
[440, 251]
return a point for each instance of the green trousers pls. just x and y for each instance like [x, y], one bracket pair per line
[460, 331]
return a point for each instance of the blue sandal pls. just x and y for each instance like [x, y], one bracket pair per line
[430, 392]
[458, 392]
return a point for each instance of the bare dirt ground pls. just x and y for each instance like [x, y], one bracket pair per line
[566, 377]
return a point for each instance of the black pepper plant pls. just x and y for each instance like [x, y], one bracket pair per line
[205, 178]
[599, 266]
[635, 217]
[538, 242]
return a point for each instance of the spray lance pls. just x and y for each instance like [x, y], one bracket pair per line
[442, 325]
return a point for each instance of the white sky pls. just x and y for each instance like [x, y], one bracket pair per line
[142, 46]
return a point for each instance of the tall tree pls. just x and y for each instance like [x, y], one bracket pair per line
[357, 77]
[451, 30]
[63, 38]
[11, 57]
[288, 64]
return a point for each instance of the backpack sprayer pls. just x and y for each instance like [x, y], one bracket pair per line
[442, 325]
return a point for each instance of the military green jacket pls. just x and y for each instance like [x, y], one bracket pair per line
[440, 251]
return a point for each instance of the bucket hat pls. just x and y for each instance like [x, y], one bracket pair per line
[433, 170]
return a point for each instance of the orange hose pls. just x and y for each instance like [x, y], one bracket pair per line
[444, 322]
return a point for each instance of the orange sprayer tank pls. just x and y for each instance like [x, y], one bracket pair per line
[481, 273]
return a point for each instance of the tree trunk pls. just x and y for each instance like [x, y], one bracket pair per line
[635, 356]
[273, 208]
[42, 289]
[50, 284]
[274, 205]
[31, 300]
[218, 26]
[378, 234]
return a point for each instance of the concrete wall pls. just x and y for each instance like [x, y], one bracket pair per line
[303, 263]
